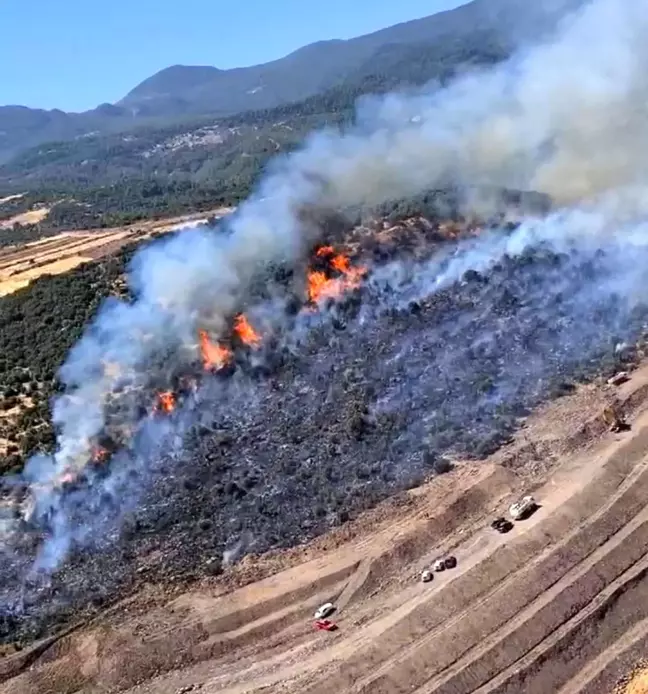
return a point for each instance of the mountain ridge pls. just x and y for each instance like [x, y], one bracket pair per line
[181, 91]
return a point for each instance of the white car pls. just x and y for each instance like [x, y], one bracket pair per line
[325, 610]
[426, 576]
[439, 565]
[521, 508]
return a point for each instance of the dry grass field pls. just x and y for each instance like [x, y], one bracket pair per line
[19, 265]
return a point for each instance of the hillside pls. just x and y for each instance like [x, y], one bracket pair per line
[320, 66]
[338, 390]
[111, 179]
[556, 605]
[156, 169]
[297, 440]
[179, 92]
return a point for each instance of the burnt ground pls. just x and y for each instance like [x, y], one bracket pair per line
[557, 604]
[370, 396]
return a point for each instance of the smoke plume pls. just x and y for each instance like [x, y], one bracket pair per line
[567, 118]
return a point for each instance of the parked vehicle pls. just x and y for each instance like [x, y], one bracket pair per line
[502, 525]
[444, 563]
[325, 625]
[523, 508]
[450, 562]
[427, 576]
[619, 378]
[324, 610]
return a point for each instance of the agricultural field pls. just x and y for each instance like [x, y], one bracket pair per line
[53, 255]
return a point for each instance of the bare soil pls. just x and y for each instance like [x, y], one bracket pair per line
[20, 265]
[9, 198]
[559, 604]
[34, 216]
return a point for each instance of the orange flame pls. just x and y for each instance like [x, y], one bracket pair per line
[67, 476]
[341, 263]
[213, 355]
[321, 287]
[325, 250]
[100, 455]
[166, 402]
[245, 331]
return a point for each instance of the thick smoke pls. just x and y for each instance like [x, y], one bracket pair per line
[567, 118]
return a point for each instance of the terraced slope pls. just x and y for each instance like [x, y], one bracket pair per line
[560, 604]
[525, 615]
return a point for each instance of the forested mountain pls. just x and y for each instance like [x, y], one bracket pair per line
[406, 52]
[108, 179]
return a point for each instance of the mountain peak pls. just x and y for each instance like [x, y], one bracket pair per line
[170, 80]
[402, 51]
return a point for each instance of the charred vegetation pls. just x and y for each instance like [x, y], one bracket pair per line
[354, 397]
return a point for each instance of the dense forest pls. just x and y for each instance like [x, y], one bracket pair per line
[38, 326]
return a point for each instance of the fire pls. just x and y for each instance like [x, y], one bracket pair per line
[67, 477]
[245, 331]
[322, 287]
[213, 355]
[166, 402]
[100, 455]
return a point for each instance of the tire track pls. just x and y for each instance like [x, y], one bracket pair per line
[589, 633]
[63, 250]
[517, 562]
[547, 614]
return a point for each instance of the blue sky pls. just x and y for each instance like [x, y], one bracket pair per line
[75, 54]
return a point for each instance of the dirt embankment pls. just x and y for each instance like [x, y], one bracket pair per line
[559, 604]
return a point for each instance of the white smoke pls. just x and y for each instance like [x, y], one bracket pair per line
[567, 118]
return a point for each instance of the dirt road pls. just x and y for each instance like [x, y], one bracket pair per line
[559, 604]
